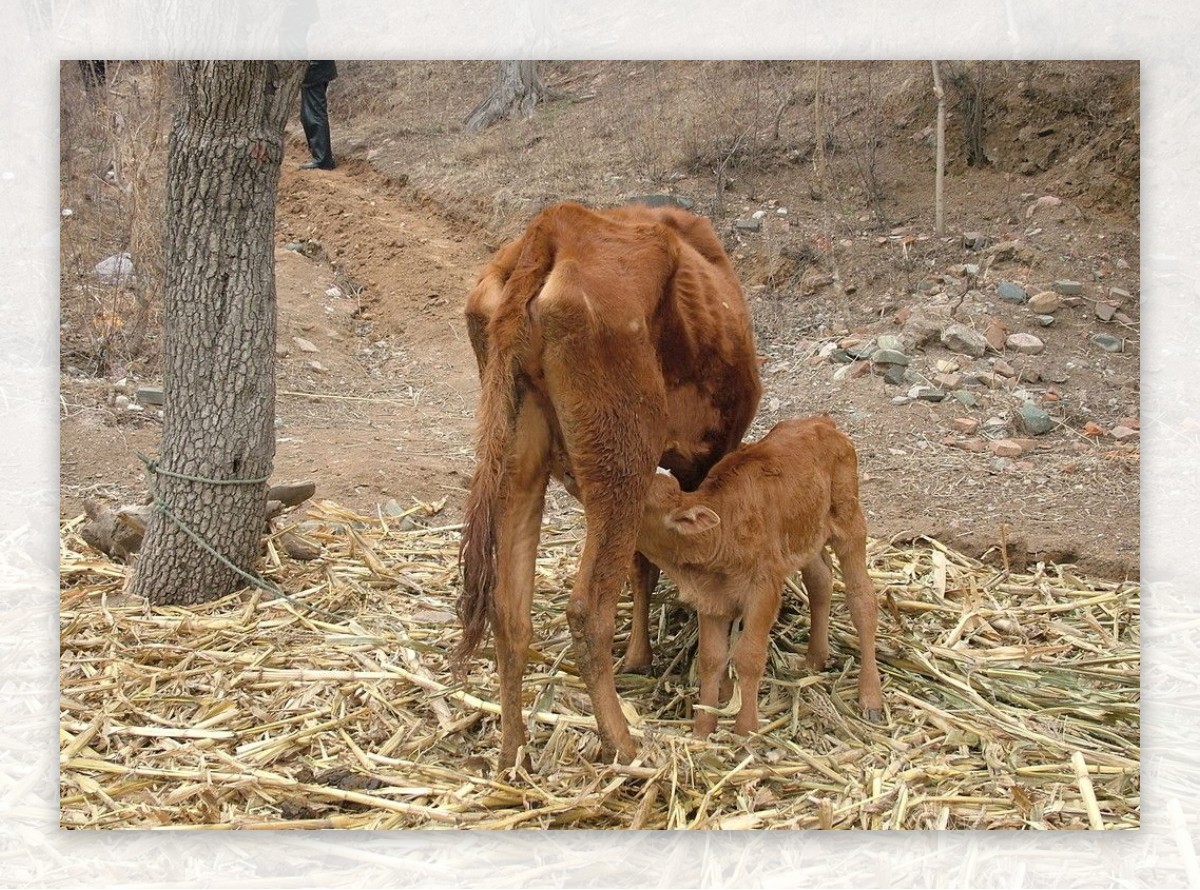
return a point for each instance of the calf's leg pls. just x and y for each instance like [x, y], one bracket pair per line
[818, 581]
[750, 653]
[712, 670]
[864, 613]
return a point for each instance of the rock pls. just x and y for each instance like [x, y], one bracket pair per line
[114, 269]
[117, 533]
[1042, 203]
[1109, 343]
[299, 547]
[304, 345]
[974, 445]
[859, 348]
[1121, 433]
[966, 425]
[1037, 422]
[894, 375]
[1119, 295]
[974, 240]
[1011, 293]
[1005, 448]
[664, 201]
[889, 357]
[1045, 303]
[996, 334]
[840, 357]
[1044, 320]
[315, 365]
[960, 338]
[1003, 368]
[948, 381]
[121, 402]
[1018, 251]
[1026, 344]
[747, 225]
[292, 493]
[965, 398]
[889, 341]
[334, 291]
[947, 366]
[926, 393]
[1105, 311]
[1093, 430]
[150, 395]
[1068, 288]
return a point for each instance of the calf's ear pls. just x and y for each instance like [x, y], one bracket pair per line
[692, 520]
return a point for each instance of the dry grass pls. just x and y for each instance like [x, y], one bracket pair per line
[1012, 702]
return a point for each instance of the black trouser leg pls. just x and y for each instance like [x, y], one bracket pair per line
[314, 116]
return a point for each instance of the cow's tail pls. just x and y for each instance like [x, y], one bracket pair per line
[500, 401]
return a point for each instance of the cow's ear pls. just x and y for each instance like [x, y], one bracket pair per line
[692, 520]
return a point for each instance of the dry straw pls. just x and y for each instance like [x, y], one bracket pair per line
[1012, 703]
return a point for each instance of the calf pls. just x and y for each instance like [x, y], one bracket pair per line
[764, 511]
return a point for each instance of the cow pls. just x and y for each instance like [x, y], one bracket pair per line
[608, 342]
[764, 511]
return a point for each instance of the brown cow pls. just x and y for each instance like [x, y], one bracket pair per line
[764, 511]
[607, 343]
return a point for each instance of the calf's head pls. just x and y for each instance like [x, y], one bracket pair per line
[672, 519]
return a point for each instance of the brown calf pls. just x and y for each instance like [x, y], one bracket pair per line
[764, 511]
[607, 343]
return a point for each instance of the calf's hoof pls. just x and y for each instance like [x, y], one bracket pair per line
[873, 715]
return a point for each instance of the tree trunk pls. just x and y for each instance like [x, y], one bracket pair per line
[940, 163]
[517, 90]
[223, 162]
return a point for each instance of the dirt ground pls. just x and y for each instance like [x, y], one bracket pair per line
[377, 384]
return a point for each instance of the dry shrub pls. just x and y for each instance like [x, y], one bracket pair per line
[113, 155]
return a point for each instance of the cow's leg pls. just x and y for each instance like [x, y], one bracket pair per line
[517, 543]
[851, 549]
[712, 668]
[818, 581]
[643, 577]
[612, 521]
[750, 654]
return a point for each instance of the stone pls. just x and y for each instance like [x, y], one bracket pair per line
[948, 381]
[747, 225]
[894, 375]
[1093, 430]
[1044, 320]
[1026, 344]
[1121, 433]
[889, 341]
[1003, 368]
[1045, 303]
[1105, 311]
[114, 269]
[889, 357]
[315, 365]
[1120, 295]
[926, 393]
[966, 425]
[1109, 343]
[974, 240]
[960, 338]
[967, 399]
[304, 345]
[121, 402]
[996, 334]
[1067, 287]
[1036, 421]
[1011, 293]
[1018, 251]
[974, 445]
[150, 395]
[1004, 448]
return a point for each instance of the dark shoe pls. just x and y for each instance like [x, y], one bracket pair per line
[315, 165]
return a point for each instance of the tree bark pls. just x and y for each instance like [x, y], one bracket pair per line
[940, 163]
[223, 164]
[517, 91]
